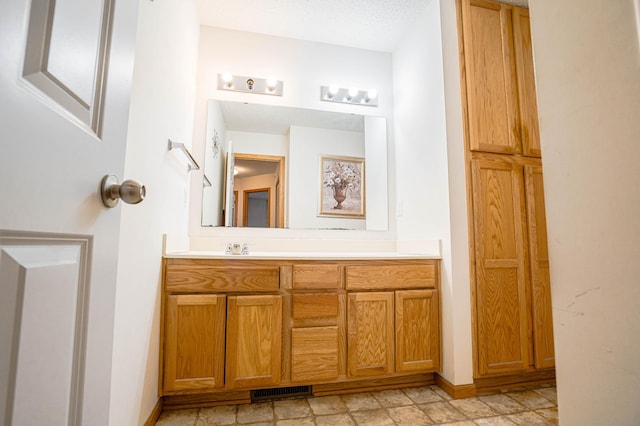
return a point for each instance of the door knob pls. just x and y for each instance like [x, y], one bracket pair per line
[130, 191]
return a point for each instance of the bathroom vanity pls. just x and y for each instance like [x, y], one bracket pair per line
[296, 322]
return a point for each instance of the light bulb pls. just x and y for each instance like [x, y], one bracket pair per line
[227, 78]
[271, 84]
[333, 89]
[372, 94]
[353, 91]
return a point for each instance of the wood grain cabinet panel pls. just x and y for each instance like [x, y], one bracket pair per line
[501, 304]
[539, 264]
[194, 342]
[254, 336]
[314, 305]
[314, 354]
[529, 128]
[316, 276]
[186, 275]
[417, 330]
[380, 276]
[490, 77]
[370, 325]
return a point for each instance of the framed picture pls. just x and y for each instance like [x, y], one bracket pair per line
[342, 187]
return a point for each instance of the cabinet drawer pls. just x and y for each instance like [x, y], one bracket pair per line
[316, 305]
[363, 277]
[199, 278]
[314, 354]
[316, 276]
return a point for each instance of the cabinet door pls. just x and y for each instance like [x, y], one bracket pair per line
[491, 88]
[194, 342]
[539, 263]
[254, 335]
[500, 287]
[529, 129]
[417, 331]
[370, 346]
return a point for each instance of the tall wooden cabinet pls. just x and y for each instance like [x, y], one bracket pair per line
[513, 332]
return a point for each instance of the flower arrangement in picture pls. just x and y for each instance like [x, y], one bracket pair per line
[342, 175]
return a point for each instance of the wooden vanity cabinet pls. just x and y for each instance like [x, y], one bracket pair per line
[234, 325]
[221, 331]
[396, 330]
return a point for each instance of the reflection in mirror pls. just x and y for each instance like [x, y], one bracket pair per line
[277, 151]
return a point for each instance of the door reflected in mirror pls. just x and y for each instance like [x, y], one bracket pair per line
[274, 143]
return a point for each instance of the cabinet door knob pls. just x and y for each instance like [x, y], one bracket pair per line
[130, 191]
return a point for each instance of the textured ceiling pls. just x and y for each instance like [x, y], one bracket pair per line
[366, 24]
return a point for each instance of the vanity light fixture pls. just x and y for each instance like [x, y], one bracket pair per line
[238, 83]
[352, 95]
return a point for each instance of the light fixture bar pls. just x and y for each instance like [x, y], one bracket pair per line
[349, 96]
[239, 83]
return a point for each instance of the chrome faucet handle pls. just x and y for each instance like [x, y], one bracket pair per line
[245, 248]
[229, 249]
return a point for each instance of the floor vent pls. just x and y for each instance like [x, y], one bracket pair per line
[280, 393]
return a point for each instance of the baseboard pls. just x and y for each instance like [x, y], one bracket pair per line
[455, 391]
[155, 413]
[487, 384]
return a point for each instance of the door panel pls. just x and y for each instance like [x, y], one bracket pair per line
[501, 308]
[254, 341]
[370, 347]
[194, 344]
[52, 159]
[490, 77]
[529, 128]
[539, 263]
[417, 330]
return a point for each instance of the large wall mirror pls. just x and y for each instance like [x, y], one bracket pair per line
[273, 166]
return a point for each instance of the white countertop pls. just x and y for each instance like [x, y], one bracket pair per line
[266, 255]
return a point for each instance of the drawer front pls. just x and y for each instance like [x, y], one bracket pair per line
[316, 276]
[316, 305]
[205, 278]
[365, 277]
[314, 354]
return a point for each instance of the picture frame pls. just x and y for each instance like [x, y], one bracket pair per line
[342, 187]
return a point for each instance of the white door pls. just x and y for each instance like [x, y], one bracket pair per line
[65, 75]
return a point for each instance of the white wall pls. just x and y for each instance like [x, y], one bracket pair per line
[213, 162]
[587, 63]
[306, 146]
[162, 105]
[425, 209]
[303, 66]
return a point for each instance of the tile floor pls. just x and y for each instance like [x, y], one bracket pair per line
[428, 405]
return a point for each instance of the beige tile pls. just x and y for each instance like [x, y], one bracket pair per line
[422, 395]
[410, 415]
[360, 401]
[461, 423]
[335, 420]
[473, 408]
[178, 418]
[327, 405]
[377, 417]
[550, 393]
[494, 421]
[442, 412]
[531, 399]
[502, 403]
[528, 418]
[307, 421]
[551, 414]
[260, 424]
[253, 413]
[392, 398]
[223, 415]
[291, 409]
